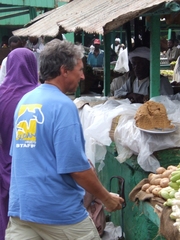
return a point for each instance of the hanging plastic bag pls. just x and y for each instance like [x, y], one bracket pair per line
[122, 64]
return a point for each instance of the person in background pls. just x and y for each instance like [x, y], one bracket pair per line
[176, 43]
[48, 182]
[119, 81]
[117, 45]
[21, 77]
[136, 88]
[96, 58]
[176, 73]
[13, 42]
[91, 49]
[36, 45]
[4, 43]
[173, 52]
[132, 43]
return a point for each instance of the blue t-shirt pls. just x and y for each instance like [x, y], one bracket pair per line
[96, 61]
[47, 145]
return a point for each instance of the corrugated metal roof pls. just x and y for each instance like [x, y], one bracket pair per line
[92, 16]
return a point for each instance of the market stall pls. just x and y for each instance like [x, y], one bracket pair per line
[123, 150]
[118, 148]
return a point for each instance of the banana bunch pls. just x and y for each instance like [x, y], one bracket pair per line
[173, 63]
[167, 72]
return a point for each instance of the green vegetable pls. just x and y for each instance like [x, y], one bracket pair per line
[169, 202]
[173, 216]
[178, 181]
[174, 185]
[164, 194]
[175, 172]
[172, 193]
[175, 177]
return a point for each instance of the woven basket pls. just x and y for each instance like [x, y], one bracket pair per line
[114, 124]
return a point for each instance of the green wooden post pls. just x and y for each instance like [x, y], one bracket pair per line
[32, 13]
[155, 56]
[100, 37]
[107, 50]
[128, 35]
[121, 34]
[78, 90]
[83, 38]
[113, 38]
[136, 30]
[169, 33]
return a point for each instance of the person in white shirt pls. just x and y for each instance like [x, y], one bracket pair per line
[13, 42]
[117, 46]
[136, 87]
[36, 45]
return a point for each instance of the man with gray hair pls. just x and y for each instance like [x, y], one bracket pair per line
[136, 88]
[49, 167]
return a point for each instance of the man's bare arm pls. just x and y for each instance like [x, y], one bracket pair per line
[90, 182]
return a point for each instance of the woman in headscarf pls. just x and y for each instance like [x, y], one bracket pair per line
[21, 77]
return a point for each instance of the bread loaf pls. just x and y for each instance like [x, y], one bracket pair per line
[152, 115]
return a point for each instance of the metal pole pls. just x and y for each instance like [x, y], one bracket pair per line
[107, 50]
[155, 56]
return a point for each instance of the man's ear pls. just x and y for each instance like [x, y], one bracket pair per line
[63, 71]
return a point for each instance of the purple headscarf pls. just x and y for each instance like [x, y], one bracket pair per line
[21, 77]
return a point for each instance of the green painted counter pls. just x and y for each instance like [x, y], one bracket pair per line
[140, 222]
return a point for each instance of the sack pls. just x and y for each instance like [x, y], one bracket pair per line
[96, 210]
[122, 64]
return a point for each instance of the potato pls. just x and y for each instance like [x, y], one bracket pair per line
[166, 173]
[160, 170]
[154, 176]
[171, 167]
[150, 176]
[145, 186]
[164, 182]
[156, 191]
[147, 190]
[152, 187]
[155, 181]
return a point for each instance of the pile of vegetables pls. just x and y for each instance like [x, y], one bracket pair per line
[159, 183]
[168, 73]
[166, 184]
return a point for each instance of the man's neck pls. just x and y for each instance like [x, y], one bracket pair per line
[54, 83]
[96, 51]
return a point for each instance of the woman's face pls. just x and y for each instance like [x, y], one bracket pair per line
[140, 67]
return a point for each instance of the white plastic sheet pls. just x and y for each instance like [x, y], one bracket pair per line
[112, 232]
[96, 122]
[130, 139]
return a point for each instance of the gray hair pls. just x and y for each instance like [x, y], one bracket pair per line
[57, 53]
